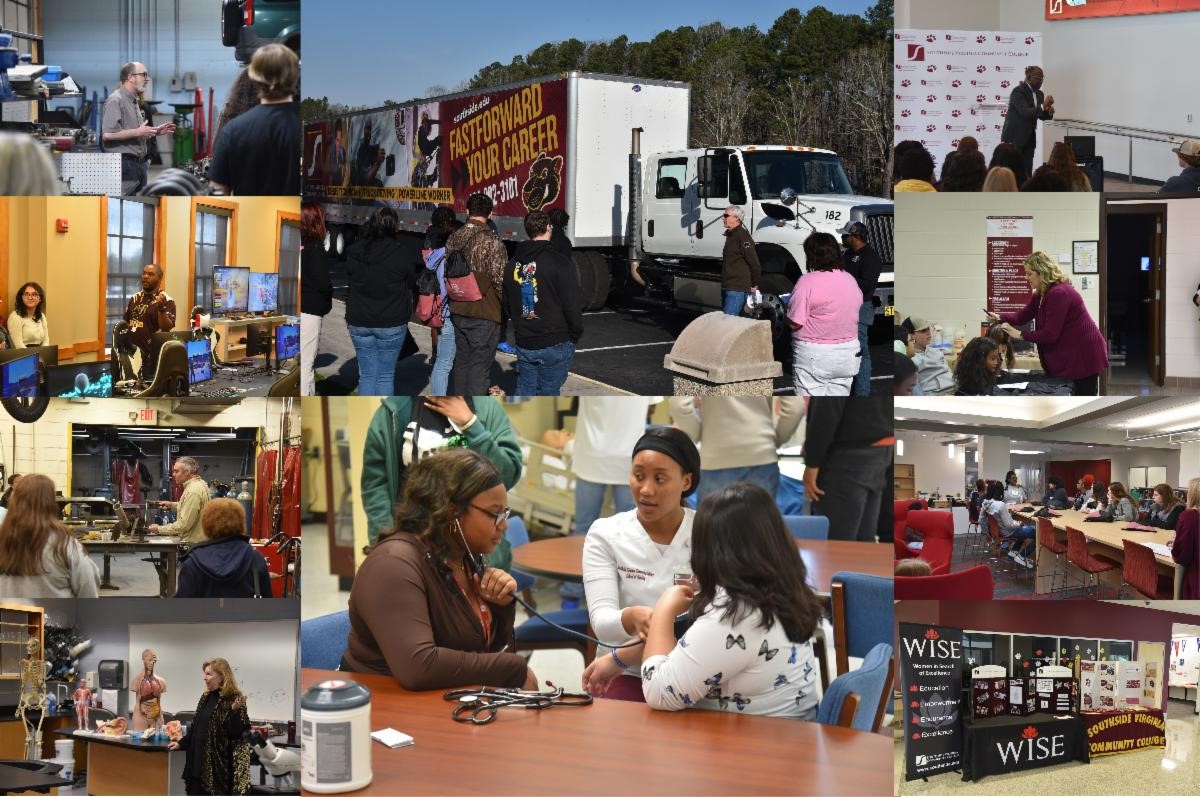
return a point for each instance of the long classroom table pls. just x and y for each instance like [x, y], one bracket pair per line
[611, 747]
[1102, 538]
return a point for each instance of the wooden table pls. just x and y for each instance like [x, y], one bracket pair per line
[561, 558]
[1102, 538]
[163, 548]
[612, 747]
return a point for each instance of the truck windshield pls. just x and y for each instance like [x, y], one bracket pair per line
[771, 171]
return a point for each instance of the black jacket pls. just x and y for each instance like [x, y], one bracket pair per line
[223, 568]
[1156, 517]
[316, 289]
[382, 273]
[864, 265]
[560, 242]
[1020, 123]
[835, 423]
[740, 270]
[541, 292]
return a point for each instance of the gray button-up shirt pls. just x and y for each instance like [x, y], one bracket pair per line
[121, 112]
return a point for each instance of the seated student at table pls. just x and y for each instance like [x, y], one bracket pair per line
[1084, 493]
[1119, 507]
[1014, 493]
[1004, 341]
[1056, 494]
[750, 648]
[933, 375]
[975, 499]
[905, 380]
[39, 556]
[1185, 548]
[1166, 509]
[1021, 536]
[225, 565]
[631, 557]
[978, 368]
[417, 611]
[27, 323]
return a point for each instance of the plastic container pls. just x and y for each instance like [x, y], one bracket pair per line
[64, 748]
[335, 737]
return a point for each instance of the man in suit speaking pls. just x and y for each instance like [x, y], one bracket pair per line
[1026, 105]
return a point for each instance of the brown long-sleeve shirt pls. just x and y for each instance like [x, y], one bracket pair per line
[407, 621]
[487, 257]
[741, 270]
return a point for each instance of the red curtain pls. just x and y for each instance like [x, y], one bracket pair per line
[290, 520]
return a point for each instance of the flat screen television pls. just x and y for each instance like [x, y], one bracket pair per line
[287, 342]
[264, 292]
[231, 289]
[20, 377]
[199, 355]
[82, 380]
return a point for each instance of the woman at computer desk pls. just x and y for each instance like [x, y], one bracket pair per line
[422, 609]
[27, 323]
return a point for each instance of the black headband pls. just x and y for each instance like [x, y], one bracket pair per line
[678, 446]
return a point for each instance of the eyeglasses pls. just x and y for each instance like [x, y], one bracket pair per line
[139, 74]
[730, 216]
[32, 295]
[498, 517]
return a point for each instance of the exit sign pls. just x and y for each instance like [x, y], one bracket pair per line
[147, 417]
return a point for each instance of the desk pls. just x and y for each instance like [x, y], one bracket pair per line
[233, 330]
[611, 747]
[130, 766]
[1006, 744]
[1112, 732]
[16, 779]
[1102, 538]
[561, 558]
[248, 381]
[164, 549]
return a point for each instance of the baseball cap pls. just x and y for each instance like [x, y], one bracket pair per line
[1190, 148]
[917, 323]
[855, 228]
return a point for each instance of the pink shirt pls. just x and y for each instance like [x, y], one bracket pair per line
[825, 305]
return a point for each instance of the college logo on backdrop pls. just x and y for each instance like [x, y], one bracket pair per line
[1031, 747]
[916, 52]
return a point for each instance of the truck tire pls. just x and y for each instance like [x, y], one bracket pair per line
[595, 279]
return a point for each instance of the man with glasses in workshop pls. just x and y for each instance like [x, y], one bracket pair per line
[125, 128]
[740, 270]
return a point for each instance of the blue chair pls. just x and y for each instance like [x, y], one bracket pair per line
[323, 640]
[850, 700]
[862, 618]
[517, 536]
[808, 527]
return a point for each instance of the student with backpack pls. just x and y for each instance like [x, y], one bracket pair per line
[442, 224]
[475, 260]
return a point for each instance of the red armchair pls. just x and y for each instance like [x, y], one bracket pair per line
[974, 583]
[899, 518]
[938, 528]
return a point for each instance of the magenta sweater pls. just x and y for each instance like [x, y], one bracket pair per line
[1069, 342]
[1186, 551]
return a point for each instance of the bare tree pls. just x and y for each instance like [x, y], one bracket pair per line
[721, 99]
[864, 80]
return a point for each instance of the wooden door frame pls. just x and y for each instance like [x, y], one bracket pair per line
[1158, 272]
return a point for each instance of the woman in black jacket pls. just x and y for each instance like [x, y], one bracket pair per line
[1166, 509]
[218, 758]
[225, 565]
[316, 290]
[382, 275]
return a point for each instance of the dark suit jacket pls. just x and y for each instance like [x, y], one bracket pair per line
[1020, 124]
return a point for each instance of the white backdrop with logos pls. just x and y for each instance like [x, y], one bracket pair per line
[955, 83]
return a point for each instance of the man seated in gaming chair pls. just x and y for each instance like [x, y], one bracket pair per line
[150, 310]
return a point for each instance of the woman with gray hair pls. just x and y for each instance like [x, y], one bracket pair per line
[1070, 345]
[26, 168]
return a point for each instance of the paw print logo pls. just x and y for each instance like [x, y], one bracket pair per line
[1029, 40]
[905, 83]
[980, 128]
[997, 127]
[930, 38]
[956, 112]
[932, 634]
[980, 97]
[980, 39]
[1005, 84]
[955, 142]
[897, 127]
[930, 128]
[899, 67]
[997, 98]
[1030, 732]
[931, 98]
[981, 69]
[906, 112]
[956, 83]
[931, 68]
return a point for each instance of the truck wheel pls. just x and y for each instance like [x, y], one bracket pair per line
[595, 279]
[777, 284]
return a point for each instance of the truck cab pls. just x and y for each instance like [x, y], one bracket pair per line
[786, 194]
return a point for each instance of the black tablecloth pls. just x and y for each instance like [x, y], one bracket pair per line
[1009, 744]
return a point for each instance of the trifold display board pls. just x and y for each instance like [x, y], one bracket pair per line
[931, 680]
[994, 697]
[1111, 685]
[262, 655]
[1185, 660]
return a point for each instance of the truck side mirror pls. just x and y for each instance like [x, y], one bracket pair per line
[704, 175]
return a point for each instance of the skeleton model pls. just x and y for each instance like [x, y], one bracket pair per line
[147, 689]
[33, 698]
[83, 702]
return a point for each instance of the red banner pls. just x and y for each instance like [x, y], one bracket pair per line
[1009, 242]
[1082, 9]
[1112, 732]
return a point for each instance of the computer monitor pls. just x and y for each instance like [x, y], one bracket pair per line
[231, 289]
[287, 342]
[20, 377]
[199, 354]
[264, 292]
[81, 380]
[47, 354]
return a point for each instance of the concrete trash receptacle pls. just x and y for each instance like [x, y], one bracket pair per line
[724, 355]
